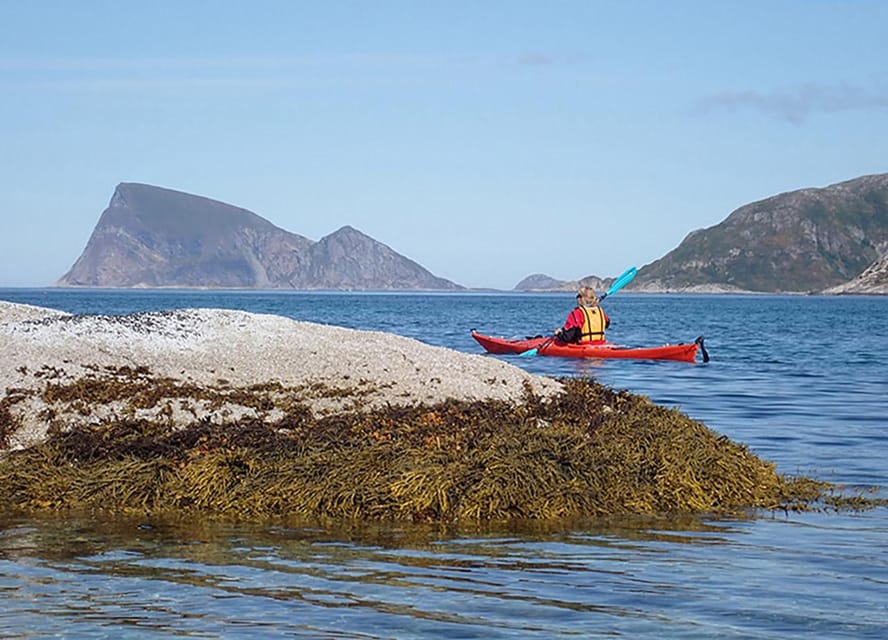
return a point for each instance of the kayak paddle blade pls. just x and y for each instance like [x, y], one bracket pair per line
[536, 350]
[624, 279]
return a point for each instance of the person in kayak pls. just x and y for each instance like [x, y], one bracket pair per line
[587, 322]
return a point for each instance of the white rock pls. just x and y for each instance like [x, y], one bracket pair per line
[224, 348]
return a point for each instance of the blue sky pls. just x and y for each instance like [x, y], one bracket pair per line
[486, 140]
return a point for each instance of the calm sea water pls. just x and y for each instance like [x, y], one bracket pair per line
[803, 381]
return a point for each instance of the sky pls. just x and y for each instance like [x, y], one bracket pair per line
[486, 140]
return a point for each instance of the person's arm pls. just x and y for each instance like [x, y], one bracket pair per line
[572, 328]
[572, 334]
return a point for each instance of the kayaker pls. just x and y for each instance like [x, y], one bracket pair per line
[587, 322]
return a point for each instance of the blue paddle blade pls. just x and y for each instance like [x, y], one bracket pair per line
[624, 279]
[535, 350]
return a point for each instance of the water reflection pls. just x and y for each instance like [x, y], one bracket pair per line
[392, 580]
[143, 575]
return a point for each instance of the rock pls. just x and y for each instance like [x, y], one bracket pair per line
[873, 280]
[223, 364]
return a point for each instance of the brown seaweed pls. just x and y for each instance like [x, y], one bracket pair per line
[590, 452]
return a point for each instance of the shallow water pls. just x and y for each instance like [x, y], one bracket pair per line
[803, 381]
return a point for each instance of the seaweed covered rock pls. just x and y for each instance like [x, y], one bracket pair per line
[248, 416]
[589, 452]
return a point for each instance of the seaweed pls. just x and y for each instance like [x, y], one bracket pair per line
[590, 452]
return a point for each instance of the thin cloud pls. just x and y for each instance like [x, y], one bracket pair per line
[542, 59]
[179, 73]
[225, 74]
[799, 103]
[536, 59]
[354, 61]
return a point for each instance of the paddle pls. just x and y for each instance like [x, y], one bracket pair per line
[624, 279]
[620, 282]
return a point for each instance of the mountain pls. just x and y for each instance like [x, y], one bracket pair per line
[542, 282]
[349, 259]
[800, 241]
[154, 237]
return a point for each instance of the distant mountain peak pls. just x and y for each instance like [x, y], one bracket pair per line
[542, 282]
[152, 236]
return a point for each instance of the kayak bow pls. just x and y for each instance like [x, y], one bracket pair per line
[686, 352]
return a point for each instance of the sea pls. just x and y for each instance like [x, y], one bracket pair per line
[801, 380]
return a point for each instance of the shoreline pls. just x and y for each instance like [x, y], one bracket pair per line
[838, 290]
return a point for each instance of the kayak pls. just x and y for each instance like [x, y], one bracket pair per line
[543, 346]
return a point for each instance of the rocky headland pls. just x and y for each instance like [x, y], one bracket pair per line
[152, 237]
[872, 281]
[829, 240]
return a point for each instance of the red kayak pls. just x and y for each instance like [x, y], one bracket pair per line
[542, 346]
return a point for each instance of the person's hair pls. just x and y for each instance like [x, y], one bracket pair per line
[587, 296]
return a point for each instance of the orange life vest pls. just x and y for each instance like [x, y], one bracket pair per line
[594, 324]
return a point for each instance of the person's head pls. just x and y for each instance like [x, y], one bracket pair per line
[587, 297]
